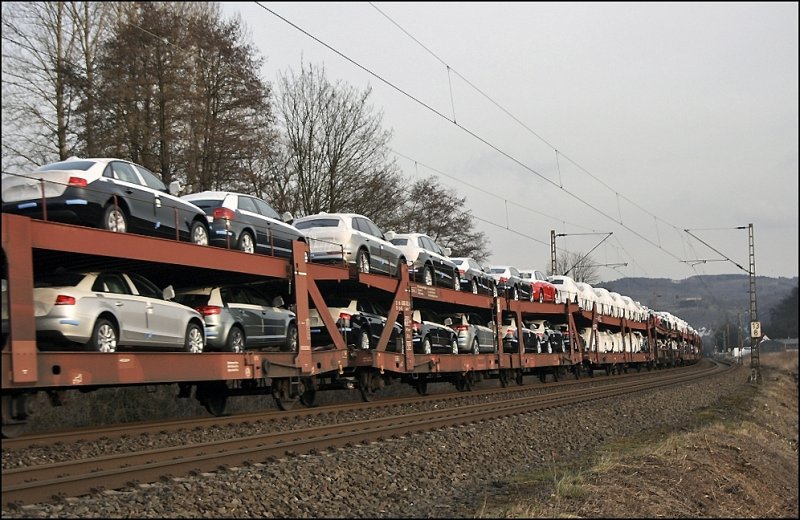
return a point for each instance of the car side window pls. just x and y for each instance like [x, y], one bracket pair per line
[151, 180]
[372, 229]
[234, 295]
[111, 283]
[266, 210]
[514, 272]
[356, 224]
[255, 297]
[246, 204]
[124, 172]
[145, 287]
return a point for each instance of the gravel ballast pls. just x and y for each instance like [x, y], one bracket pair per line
[445, 473]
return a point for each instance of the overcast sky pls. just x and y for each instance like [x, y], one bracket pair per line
[641, 119]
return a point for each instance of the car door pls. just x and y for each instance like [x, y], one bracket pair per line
[248, 213]
[237, 301]
[485, 334]
[166, 321]
[283, 235]
[140, 202]
[372, 237]
[170, 212]
[130, 310]
[273, 319]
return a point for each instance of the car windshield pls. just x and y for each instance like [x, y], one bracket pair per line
[65, 279]
[399, 241]
[557, 282]
[67, 165]
[497, 270]
[317, 222]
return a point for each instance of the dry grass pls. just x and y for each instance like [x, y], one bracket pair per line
[739, 460]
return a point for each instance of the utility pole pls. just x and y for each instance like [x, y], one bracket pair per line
[755, 325]
[553, 252]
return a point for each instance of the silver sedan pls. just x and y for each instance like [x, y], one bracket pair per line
[105, 310]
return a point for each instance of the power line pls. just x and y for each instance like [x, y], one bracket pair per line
[463, 128]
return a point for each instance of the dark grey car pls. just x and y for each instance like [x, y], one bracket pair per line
[239, 317]
[241, 221]
[432, 333]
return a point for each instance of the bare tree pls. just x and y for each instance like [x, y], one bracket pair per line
[578, 266]
[336, 150]
[438, 212]
[38, 97]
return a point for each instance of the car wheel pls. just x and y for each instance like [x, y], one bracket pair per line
[104, 336]
[362, 261]
[246, 243]
[456, 283]
[476, 348]
[454, 346]
[426, 345]
[474, 286]
[199, 234]
[290, 345]
[515, 293]
[114, 219]
[494, 290]
[531, 296]
[363, 340]
[427, 275]
[541, 296]
[193, 341]
[235, 341]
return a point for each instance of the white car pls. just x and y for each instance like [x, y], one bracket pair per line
[618, 309]
[586, 296]
[105, 310]
[604, 301]
[567, 289]
[350, 238]
[428, 262]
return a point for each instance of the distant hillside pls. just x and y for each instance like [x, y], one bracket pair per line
[706, 300]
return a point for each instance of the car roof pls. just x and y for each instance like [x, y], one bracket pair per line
[213, 194]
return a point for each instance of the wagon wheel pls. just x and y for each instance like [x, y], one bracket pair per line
[422, 387]
[282, 393]
[518, 378]
[367, 385]
[309, 396]
[504, 378]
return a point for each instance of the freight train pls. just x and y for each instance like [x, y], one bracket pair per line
[581, 339]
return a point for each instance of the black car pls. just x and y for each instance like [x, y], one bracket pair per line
[432, 333]
[111, 194]
[247, 223]
[360, 320]
[473, 278]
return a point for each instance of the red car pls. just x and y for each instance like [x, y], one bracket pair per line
[542, 290]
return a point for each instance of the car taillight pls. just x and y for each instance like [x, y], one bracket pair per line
[207, 310]
[225, 213]
[461, 272]
[63, 299]
[80, 182]
[461, 328]
[416, 325]
[344, 319]
[503, 280]
[510, 332]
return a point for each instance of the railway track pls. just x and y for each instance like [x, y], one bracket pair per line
[74, 478]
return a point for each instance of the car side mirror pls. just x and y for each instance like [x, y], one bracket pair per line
[175, 188]
[448, 322]
[287, 216]
[448, 251]
[168, 293]
[389, 236]
[277, 301]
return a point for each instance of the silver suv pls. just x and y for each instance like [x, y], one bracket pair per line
[351, 238]
[238, 317]
[428, 262]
